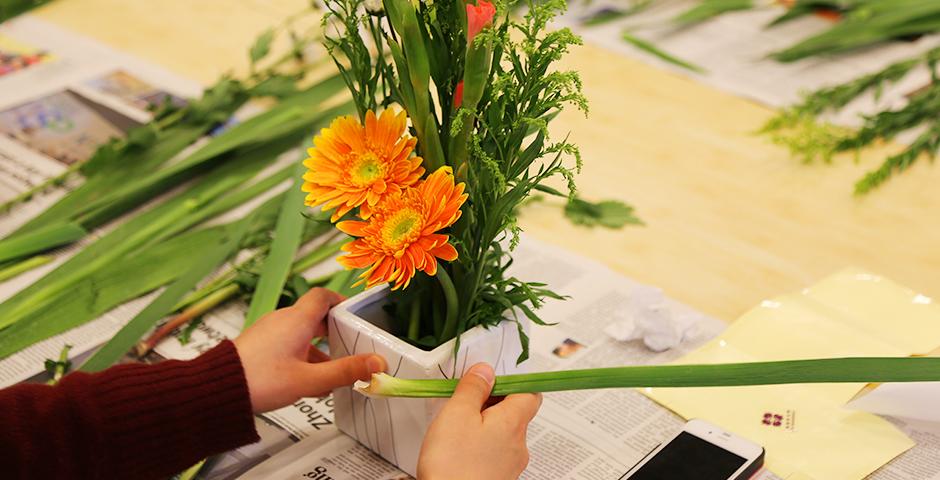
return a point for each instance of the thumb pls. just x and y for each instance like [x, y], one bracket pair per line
[325, 376]
[474, 388]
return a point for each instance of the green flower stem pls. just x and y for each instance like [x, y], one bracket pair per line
[414, 320]
[834, 370]
[317, 255]
[191, 313]
[419, 76]
[218, 294]
[475, 75]
[16, 268]
[453, 304]
[49, 183]
[61, 366]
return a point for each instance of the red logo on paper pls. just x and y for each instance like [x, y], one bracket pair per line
[785, 420]
[774, 419]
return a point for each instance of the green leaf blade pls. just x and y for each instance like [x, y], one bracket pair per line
[287, 239]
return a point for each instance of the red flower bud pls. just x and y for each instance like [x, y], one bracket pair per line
[478, 17]
[458, 95]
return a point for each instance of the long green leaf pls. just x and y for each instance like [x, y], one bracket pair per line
[868, 23]
[709, 9]
[277, 265]
[131, 333]
[661, 54]
[835, 370]
[45, 238]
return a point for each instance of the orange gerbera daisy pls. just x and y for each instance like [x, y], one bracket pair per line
[401, 236]
[352, 165]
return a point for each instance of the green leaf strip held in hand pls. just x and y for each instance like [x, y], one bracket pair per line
[836, 370]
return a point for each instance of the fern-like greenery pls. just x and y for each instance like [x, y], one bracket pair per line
[800, 129]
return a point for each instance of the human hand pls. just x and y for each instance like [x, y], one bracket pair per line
[282, 366]
[468, 441]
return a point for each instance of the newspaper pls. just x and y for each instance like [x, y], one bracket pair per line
[61, 95]
[921, 462]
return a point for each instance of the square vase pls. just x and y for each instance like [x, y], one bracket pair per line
[394, 427]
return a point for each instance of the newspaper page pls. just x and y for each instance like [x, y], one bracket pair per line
[62, 95]
[922, 461]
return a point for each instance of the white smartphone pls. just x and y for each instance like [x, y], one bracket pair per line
[700, 451]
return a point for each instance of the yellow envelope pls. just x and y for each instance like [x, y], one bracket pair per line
[805, 428]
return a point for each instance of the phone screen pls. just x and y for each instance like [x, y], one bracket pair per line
[688, 457]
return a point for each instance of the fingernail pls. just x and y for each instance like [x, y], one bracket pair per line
[376, 364]
[484, 371]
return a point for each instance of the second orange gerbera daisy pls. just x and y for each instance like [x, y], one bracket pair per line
[401, 236]
[353, 165]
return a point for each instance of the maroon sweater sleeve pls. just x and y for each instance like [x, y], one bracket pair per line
[130, 421]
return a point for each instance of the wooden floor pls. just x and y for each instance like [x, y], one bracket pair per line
[731, 219]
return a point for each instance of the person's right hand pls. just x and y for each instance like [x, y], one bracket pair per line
[468, 441]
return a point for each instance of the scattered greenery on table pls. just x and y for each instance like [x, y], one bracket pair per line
[12, 8]
[859, 24]
[800, 129]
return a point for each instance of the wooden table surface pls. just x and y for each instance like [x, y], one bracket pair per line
[731, 219]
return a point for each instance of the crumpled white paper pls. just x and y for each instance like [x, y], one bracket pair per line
[650, 319]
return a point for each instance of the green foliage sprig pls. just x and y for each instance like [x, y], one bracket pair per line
[800, 129]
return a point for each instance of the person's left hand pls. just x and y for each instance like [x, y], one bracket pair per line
[282, 366]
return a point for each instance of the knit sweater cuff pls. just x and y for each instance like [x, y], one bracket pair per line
[157, 417]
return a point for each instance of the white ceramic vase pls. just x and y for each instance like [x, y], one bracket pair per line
[395, 427]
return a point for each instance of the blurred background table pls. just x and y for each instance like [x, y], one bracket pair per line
[731, 219]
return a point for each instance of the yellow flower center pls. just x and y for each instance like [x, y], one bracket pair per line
[402, 228]
[367, 169]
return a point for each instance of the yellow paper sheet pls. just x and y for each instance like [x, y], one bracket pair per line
[894, 313]
[805, 428]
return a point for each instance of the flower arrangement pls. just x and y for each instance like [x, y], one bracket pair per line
[429, 186]
[453, 102]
